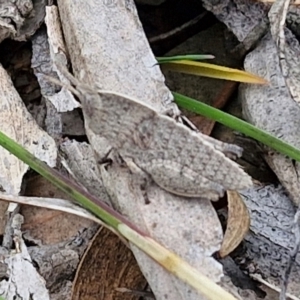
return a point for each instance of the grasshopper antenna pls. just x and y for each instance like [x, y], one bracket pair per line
[64, 71]
[62, 84]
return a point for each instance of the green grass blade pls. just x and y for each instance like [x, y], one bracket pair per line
[192, 57]
[237, 124]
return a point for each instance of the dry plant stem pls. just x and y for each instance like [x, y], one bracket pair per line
[53, 203]
[178, 29]
[135, 292]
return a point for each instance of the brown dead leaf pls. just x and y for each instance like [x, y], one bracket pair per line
[238, 223]
[107, 268]
[204, 124]
[48, 225]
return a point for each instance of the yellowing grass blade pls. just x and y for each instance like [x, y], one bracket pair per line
[213, 71]
[176, 265]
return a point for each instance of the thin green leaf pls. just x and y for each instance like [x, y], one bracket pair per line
[237, 124]
[213, 71]
[192, 57]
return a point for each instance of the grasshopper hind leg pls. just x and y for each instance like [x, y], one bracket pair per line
[182, 181]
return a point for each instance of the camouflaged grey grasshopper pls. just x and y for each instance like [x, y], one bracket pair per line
[177, 159]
